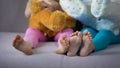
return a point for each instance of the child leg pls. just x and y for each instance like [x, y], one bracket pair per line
[87, 45]
[75, 42]
[34, 36]
[103, 39]
[30, 41]
[62, 39]
[92, 31]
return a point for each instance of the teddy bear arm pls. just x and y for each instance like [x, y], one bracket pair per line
[57, 21]
[71, 22]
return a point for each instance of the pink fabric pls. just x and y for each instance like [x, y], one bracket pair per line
[34, 36]
[67, 32]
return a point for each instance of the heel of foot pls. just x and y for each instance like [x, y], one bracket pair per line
[59, 51]
[29, 52]
[17, 41]
[71, 54]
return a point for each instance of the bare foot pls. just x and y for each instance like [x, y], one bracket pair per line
[21, 45]
[88, 46]
[64, 45]
[75, 42]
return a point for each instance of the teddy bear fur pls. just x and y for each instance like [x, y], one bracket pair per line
[49, 22]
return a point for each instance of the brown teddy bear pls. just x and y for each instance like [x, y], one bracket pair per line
[49, 22]
[46, 20]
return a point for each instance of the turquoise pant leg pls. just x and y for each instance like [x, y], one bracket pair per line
[91, 30]
[102, 39]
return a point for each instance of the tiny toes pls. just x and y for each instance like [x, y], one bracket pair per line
[85, 32]
[73, 34]
[67, 43]
[17, 41]
[79, 34]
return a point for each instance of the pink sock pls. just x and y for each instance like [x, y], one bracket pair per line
[34, 36]
[67, 32]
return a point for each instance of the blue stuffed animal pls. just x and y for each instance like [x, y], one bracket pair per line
[101, 19]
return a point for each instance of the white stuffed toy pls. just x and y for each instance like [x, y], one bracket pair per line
[102, 19]
[104, 11]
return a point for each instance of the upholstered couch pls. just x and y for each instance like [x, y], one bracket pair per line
[13, 21]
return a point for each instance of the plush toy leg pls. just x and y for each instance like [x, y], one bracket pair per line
[34, 36]
[63, 40]
[66, 32]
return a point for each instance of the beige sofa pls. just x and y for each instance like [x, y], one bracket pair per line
[12, 22]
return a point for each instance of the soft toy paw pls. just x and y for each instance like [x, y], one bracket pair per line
[56, 20]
